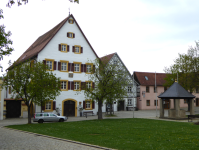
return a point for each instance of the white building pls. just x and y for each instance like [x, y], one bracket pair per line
[68, 53]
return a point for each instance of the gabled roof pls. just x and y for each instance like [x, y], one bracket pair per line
[141, 78]
[176, 91]
[43, 40]
[107, 58]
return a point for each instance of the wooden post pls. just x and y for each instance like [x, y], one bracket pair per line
[177, 108]
[192, 107]
[161, 109]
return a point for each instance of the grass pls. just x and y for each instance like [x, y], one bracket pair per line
[123, 134]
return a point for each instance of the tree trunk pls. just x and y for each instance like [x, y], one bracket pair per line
[29, 116]
[99, 110]
[110, 109]
[41, 106]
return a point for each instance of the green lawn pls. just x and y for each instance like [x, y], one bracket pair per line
[123, 133]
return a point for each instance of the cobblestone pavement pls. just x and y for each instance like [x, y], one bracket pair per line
[16, 140]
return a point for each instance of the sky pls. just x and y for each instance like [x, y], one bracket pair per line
[147, 35]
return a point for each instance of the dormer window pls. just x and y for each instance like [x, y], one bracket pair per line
[146, 77]
[71, 21]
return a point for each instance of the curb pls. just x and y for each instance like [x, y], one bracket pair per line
[56, 138]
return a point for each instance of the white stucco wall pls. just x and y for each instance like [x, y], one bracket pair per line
[51, 51]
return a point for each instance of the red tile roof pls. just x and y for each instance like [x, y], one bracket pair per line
[43, 40]
[140, 78]
[107, 58]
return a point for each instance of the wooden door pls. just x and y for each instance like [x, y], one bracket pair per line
[120, 105]
[13, 109]
[166, 104]
[197, 101]
[69, 108]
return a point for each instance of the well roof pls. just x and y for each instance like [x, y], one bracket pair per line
[176, 91]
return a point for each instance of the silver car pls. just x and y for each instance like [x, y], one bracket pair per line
[48, 117]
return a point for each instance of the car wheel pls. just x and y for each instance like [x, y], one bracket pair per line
[40, 121]
[61, 120]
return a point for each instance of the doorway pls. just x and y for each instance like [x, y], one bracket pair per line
[120, 105]
[69, 108]
[197, 101]
[13, 108]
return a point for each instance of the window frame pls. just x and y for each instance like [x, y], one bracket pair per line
[49, 110]
[79, 67]
[91, 64]
[130, 102]
[129, 87]
[63, 44]
[64, 61]
[148, 89]
[69, 34]
[79, 85]
[52, 60]
[79, 49]
[66, 85]
[69, 21]
[91, 84]
[90, 105]
[147, 102]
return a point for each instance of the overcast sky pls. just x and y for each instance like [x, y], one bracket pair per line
[146, 34]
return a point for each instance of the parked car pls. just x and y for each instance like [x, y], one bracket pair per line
[48, 117]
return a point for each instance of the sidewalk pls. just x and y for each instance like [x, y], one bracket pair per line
[148, 114]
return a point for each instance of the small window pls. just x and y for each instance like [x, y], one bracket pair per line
[88, 68]
[88, 104]
[49, 64]
[64, 85]
[155, 102]
[88, 85]
[147, 89]
[77, 49]
[48, 105]
[115, 62]
[129, 101]
[197, 90]
[146, 77]
[185, 101]
[77, 85]
[63, 48]
[148, 102]
[70, 35]
[71, 21]
[77, 68]
[129, 89]
[64, 66]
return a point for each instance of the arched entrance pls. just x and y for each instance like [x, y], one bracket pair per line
[69, 108]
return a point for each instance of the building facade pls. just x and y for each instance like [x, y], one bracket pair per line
[147, 93]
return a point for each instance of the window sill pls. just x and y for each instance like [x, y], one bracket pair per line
[64, 90]
[64, 71]
[64, 51]
[77, 72]
[88, 109]
[50, 110]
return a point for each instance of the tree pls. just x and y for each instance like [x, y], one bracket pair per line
[110, 84]
[20, 2]
[186, 66]
[5, 41]
[31, 82]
